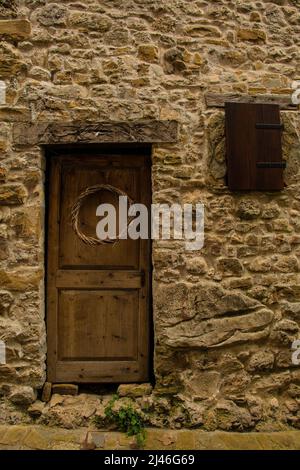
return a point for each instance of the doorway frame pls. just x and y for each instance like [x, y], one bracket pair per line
[93, 150]
[45, 135]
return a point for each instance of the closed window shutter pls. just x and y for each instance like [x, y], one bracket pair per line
[253, 147]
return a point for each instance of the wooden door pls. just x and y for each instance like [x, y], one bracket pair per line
[97, 296]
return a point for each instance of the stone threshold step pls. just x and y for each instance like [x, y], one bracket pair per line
[40, 437]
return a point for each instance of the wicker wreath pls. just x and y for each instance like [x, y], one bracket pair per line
[76, 211]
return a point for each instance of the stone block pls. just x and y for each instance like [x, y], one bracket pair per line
[20, 280]
[8, 9]
[35, 440]
[9, 114]
[12, 194]
[36, 409]
[248, 209]
[3, 174]
[93, 440]
[15, 29]
[12, 435]
[134, 390]
[65, 389]
[230, 266]
[52, 14]
[261, 360]
[148, 52]
[6, 300]
[90, 21]
[22, 395]
[10, 61]
[254, 35]
[218, 332]
[47, 391]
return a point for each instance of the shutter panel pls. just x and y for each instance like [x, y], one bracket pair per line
[269, 176]
[253, 147]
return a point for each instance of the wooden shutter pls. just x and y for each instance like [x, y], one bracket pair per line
[253, 147]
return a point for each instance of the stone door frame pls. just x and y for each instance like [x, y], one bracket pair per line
[33, 136]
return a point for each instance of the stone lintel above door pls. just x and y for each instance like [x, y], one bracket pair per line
[47, 133]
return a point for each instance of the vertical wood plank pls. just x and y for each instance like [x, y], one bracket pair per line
[269, 149]
[52, 263]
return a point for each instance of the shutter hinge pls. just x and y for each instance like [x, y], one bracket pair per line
[262, 125]
[271, 164]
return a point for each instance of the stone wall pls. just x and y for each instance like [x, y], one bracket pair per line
[224, 317]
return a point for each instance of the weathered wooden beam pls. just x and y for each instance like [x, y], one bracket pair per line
[45, 133]
[217, 100]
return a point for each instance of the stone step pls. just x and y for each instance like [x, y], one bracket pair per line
[51, 438]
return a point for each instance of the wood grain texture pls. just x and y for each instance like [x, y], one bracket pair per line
[98, 310]
[268, 150]
[94, 279]
[218, 100]
[45, 133]
[241, 146]
[247, 146]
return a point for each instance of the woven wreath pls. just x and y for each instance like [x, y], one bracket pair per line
[76, 212]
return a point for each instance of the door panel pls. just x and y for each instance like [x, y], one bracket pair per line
[108, 321]
[97, 296]
[77, 177]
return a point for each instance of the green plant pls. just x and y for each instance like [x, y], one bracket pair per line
[127, 420]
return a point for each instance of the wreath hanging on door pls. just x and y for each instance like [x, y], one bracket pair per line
[76, 212]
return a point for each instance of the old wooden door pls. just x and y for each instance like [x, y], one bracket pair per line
[97, 296]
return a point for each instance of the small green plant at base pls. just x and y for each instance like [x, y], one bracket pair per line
[127, 420]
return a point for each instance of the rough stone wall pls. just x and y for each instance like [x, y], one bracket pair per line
[225, 316]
